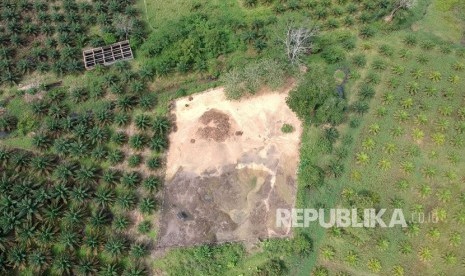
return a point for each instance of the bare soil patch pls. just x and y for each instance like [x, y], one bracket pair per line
[217, 126]
[229, 168]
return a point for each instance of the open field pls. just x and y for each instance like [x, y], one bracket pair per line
[228, 168]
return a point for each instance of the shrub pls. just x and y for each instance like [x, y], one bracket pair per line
[366, 92]
[287, 128]
[333, 54]
[410, 40]
[315, 100]
[386, 50]
[354, 123]
[367, 32]
[359, 60]
[248, 80]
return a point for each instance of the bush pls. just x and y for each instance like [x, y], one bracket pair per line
[367, 32]
[273, 267]
[315, 100]
[354, 123]
[248, 80]
[333, 54]
[410, 40]
[366, 92]
[287, 128]
[359, 60]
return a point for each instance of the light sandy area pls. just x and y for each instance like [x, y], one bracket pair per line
[260, 119]
[228, 187]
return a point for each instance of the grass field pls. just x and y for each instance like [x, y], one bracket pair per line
[444, 18]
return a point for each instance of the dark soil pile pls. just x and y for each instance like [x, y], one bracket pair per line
[217, 125]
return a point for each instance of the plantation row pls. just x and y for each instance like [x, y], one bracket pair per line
[408, 157]
[63, 217]
[48, 36]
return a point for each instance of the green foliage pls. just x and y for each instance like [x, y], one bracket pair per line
[190, 43]
[134, 161]
[287, 128]
[144, 227]
[249, 79]
[315, 100]
[272, 267]
[333, 54]
[205, 259]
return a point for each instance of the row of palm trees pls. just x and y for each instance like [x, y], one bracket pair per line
[50, 206]
[44, 36]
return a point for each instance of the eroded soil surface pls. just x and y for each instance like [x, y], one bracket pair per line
[228, 169]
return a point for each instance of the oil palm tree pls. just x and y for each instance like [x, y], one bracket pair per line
[368, 144]
[435, 76]
[126, 200]
[104, 196]
[374, 265]
[116, 246]
[425, 254]
[158, 143]
[63, 264]
[121, 223]
[17, 257]
[111, 269]
[137, 141]
[161, 126]
[143, 122]
[362, 158]
[87, 175]
[111, 177]
[39, 260]
[398, 270]
[147, 205]
[41, 141]
[405, 247]
[151, 183]
[455, 239]
[384, 164]
[138, 251]
[131, 179]
[43, 165]
[87, 266]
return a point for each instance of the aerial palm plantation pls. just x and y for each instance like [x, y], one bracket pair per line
[378, 88]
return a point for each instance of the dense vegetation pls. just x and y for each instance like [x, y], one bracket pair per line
[83, 160]
[66, 204]
[48, 36]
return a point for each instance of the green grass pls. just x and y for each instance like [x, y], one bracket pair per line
[384, 182]
[158, 13]
[443, 20]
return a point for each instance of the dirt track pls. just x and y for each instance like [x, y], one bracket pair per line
[228, 169]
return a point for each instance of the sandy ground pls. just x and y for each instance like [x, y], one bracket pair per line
[228, 168]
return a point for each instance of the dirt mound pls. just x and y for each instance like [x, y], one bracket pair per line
[217, 125]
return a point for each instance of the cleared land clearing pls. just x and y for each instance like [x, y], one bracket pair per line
[229, 168]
